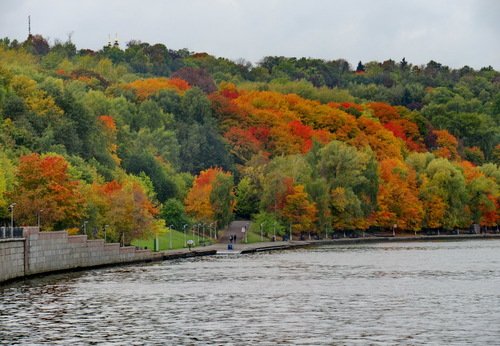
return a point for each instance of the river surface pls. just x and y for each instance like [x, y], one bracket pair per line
[438, 293]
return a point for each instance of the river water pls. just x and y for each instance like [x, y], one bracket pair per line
[403, 294]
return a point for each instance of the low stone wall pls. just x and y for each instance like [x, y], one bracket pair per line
[43, 252]
[54, 251]
[11, 259]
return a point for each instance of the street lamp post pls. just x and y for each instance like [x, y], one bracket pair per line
[215, 229]
[170, 240]
[261, 231]
[185, 238]
[290, 232]
[38, 218]
[199, 225]
[203, 235]
[12, 219]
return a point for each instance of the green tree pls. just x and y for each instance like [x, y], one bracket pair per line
[352, 180]
[173, 213]
[448, 183]
[247, 198]
[270, 224]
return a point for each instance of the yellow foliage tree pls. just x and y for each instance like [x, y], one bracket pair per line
[299, 211]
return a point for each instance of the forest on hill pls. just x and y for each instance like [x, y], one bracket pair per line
[134, 139]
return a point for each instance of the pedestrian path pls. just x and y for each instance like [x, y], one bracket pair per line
[234, 229]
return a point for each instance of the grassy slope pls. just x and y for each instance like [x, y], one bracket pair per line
[177, 241]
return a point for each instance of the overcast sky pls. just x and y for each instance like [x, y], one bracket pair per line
[453, 32]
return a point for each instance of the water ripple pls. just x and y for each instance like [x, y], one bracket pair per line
[380, 294]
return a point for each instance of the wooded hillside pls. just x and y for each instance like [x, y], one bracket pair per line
[135, 139]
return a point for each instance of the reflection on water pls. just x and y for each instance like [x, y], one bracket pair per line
[406, 293]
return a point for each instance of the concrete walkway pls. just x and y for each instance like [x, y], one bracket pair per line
[234, 229]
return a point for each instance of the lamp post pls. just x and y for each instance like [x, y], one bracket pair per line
[290, 232]
[199, 225]
[105, 228]
[85, 227]
[12, 219]
[185, 238]
[215, 229]
[203, 236]
[261, 234]
[170, 240]
[38, 218]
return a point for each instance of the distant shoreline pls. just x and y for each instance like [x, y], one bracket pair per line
[364, 240]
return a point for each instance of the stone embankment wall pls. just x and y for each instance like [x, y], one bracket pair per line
[41, 252]
[11, 258]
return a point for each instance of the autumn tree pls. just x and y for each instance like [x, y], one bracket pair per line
[211, 198]
[447, 145]
[299, 211]
[482, 192]
[145, 88]
[44, 184]
[127, 210]
[397, 200]
[279, 177]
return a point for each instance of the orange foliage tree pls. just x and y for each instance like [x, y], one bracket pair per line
[383, 111]
[44, 187]
[397, 199]
[381, 141]
[243, 143]
[125, 208]
[109, 132]
[200, 201]
[145, 88]
[447, 145]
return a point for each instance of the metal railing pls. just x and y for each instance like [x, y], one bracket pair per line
[9, 232]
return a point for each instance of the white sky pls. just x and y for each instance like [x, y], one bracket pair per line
[452, 32]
